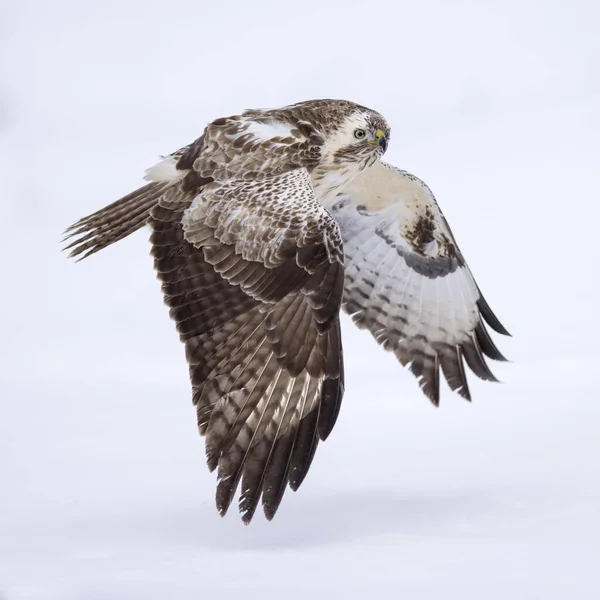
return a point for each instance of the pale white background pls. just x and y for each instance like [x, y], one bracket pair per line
[104, 489]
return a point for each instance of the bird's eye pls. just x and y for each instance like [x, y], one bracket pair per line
[359, 134]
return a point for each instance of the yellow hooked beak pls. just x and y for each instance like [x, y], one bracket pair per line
[380, 139]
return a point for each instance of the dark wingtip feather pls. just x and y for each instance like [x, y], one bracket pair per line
[247, 512]
[212, 458]
[431, 389]
[453, 369]
[276, 478]
[465, 393]
[424, 366]
[430, 381]
[331, 400]
[476, 361]
[428, 386]
[227, 483]
[490, 318]
[464, 389]
[487, 344]
[270, 511]
[223, 498]
[307, 441]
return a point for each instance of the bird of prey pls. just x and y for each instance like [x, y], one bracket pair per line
[262, 230]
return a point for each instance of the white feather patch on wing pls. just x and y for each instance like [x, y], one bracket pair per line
[165, 171]
[267, 131]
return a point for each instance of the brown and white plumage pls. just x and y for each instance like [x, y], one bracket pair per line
[261, 229]
[407, 282]
[262, 400]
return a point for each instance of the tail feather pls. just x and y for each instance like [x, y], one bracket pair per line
[115, 221]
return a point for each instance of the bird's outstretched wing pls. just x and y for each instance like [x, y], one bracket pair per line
[407, 282]
[253, 273]
[251, 266]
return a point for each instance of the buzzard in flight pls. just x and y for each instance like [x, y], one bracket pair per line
[262, 230]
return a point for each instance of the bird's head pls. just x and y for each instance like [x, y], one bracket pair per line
[360, 135]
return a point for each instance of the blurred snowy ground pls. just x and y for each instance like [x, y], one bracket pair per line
[105, 493]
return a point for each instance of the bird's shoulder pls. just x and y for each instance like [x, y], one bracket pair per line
[253, 141]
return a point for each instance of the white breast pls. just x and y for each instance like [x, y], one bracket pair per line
[327, 182]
